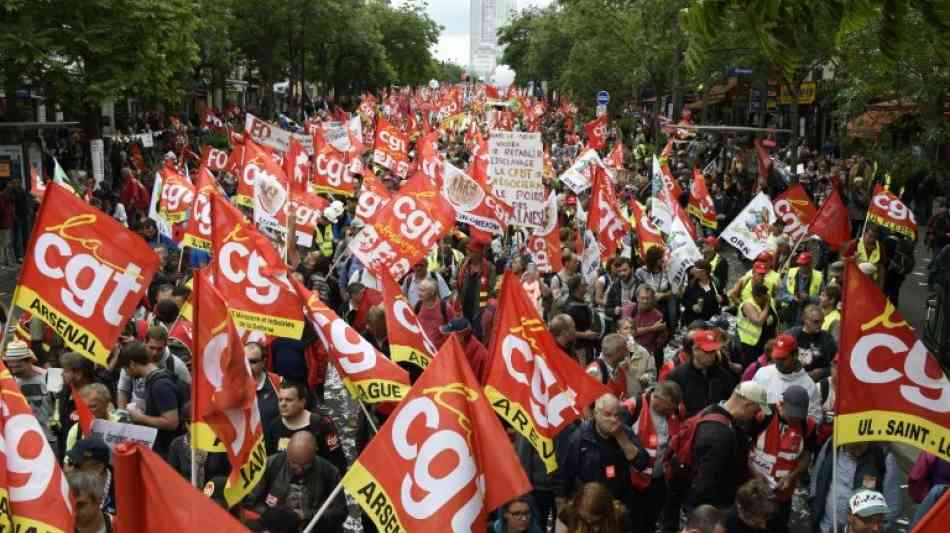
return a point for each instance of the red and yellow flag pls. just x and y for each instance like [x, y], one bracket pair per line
[84, 273]
[888, 211]
[889, 387]
[408, 342]
[700, 203]
[795, 209]
[198, 230]
[531, 382]
[442, 461]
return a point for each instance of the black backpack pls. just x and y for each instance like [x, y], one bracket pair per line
[182, 391]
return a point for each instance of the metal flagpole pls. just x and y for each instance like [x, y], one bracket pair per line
[194, 460]
[834, 474]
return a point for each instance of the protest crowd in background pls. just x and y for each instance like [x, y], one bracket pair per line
[472, 311]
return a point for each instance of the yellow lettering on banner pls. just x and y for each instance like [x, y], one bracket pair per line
[5, 522]
[204, 438]
[248, 476]
[74, 336]
[379, 390]
[245, 201]
[274, 326]
[408, 354]
[173, 217]
[194, 242]
[372, 498]
[894, 426]
[22, 524]
[880, 221]
[518, 417]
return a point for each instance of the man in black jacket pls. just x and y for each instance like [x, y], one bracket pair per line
[301, 480]
[703, 379]
[603, 450]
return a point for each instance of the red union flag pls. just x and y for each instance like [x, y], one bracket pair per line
[177, 196]
[795, 209]
[596, 132]
[373, 196]
[251, 275]
[297, 167]
[614, 159]
[405, 230]
[254, 160]
[431, 159]
[890, 388]
[831, 222]
[198, 231]
[210, 120]
[83, 274]
[442, 461]
[367, 374]
[330, 172]
[391, 148]
[700, 203]
[474, 204]
[605, 219]
[544, 245]
[532, 383]
[888, 211]
[648, 235]
[408, 342]
[307, 208]
[213, 158]
[33, 489]
[223, 392]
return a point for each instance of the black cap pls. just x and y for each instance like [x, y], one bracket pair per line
[89, 448]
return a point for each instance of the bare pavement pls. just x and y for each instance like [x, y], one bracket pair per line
[912, 306]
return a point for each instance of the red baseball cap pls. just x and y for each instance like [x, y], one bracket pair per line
[707, 340]
[804, 259]
[760, 268]
[784, 345]
[765, 257]
[711, 241]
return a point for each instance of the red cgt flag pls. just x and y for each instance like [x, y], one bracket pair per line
[442, 461]
[596, 132]
[198, 230]
[178, 195]
[367, 374]
[408, 342]
[544, 245]
[614, 159]
[795, 209]
[151, 497]
[391, 148]
[831, 222]
[34, 490]
[251, 275]
[405, 230]
[84, 273]
[889, 387]
[331, 172]
[85, 416]
[888, 211]
[297, 167]
[531, 382]
[700, 203]
[223, 392]
[373, 196]
[605, 219]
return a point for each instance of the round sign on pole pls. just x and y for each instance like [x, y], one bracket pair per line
[603, 98]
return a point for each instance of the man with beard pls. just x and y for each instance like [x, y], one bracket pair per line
[622, 290]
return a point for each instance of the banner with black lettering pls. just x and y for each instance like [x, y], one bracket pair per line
[749, 232]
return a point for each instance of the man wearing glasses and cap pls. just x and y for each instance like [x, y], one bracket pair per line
[783, 449]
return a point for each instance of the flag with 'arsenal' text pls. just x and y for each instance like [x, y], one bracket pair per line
[223, 391]
[368, 375]
[888, 211]
[33, 489]
[408, 342]
[605, 219]
[531, 382]
[251, 275]
[889, 386]
[442, 460]
[83, 274]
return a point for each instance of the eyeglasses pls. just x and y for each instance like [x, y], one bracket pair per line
[255, 361]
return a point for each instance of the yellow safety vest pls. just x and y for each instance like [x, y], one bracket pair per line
[749, 332]
[861, 256]
[324, 241]
[830, 319]
[433, 263]
[791, 281]
[770, 281]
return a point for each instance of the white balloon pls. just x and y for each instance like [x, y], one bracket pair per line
[503, 76]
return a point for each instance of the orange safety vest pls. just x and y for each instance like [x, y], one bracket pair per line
[645, 431]
[777, 452]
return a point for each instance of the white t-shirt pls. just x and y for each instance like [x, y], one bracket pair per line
[775, 383]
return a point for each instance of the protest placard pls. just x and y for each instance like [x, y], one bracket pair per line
[515, 169]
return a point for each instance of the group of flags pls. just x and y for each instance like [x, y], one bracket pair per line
[84, 275]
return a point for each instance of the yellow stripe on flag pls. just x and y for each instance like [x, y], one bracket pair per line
[372, 497]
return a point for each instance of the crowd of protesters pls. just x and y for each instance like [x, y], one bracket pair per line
[744, 354]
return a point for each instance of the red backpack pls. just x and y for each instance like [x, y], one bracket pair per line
[678, 457]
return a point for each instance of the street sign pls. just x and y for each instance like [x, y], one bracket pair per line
[603, 97]
[740, 71]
